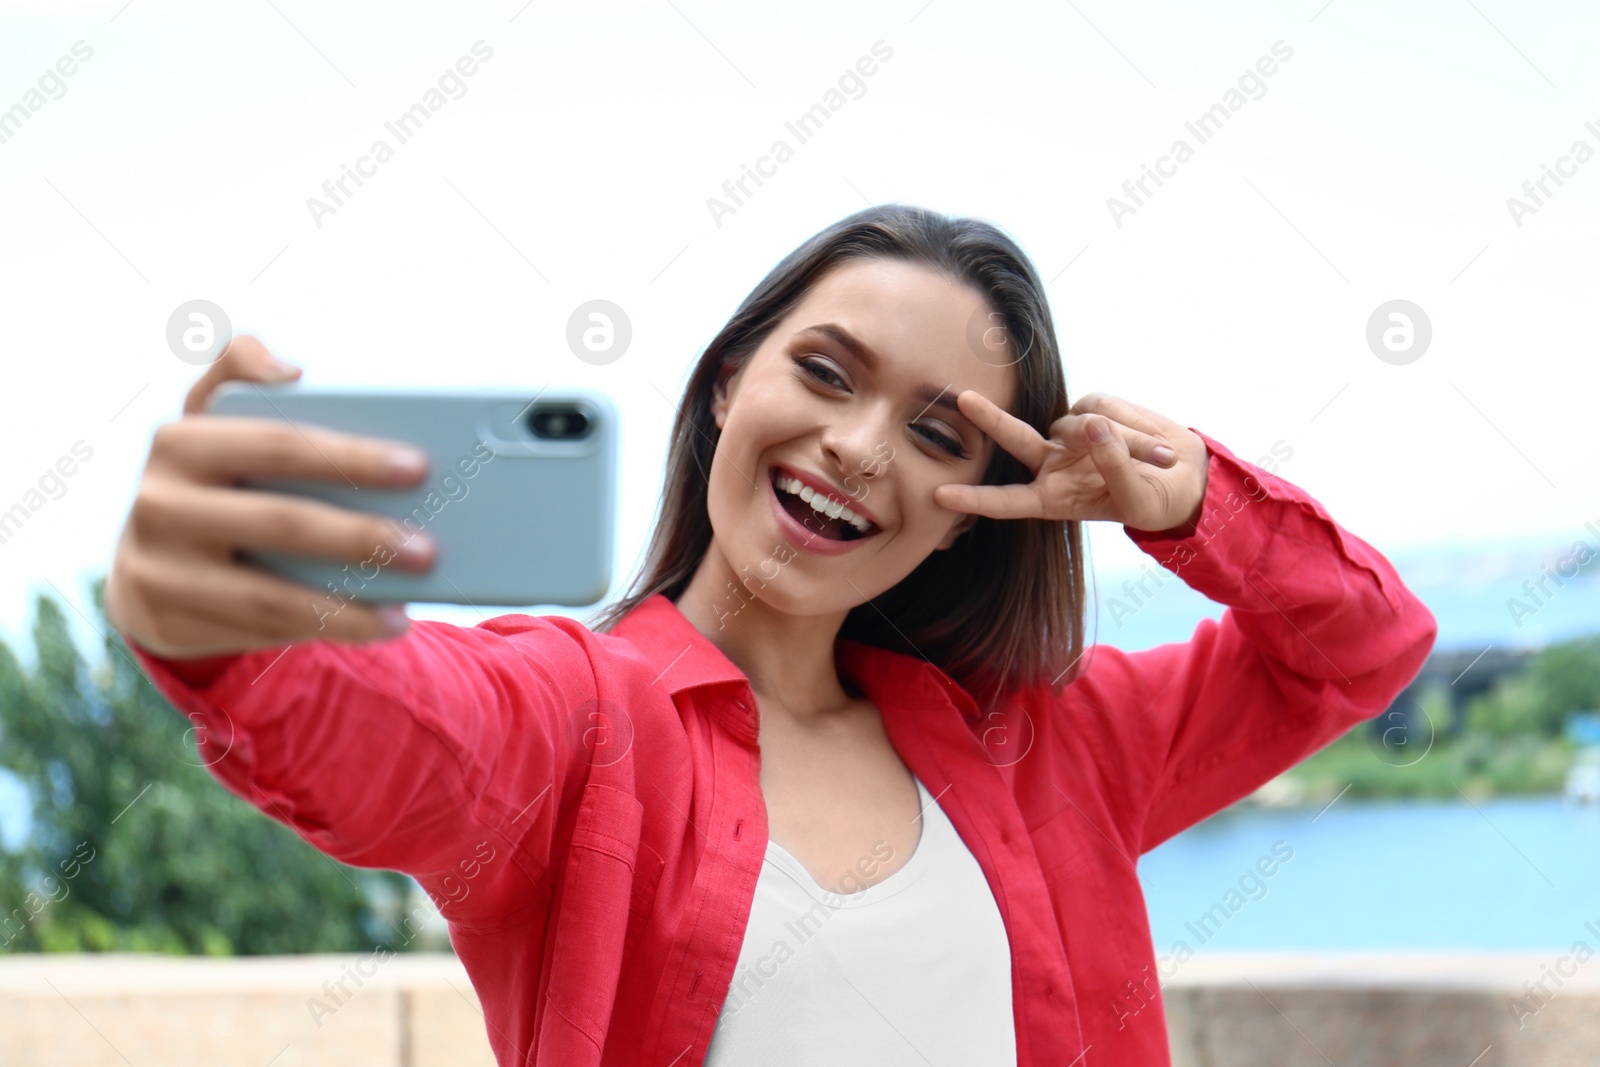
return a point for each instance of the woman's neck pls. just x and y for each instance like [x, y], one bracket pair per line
[789, 658]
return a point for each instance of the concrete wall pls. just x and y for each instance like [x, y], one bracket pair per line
[1366, 1010]
[116, 1010]
[420, 1011]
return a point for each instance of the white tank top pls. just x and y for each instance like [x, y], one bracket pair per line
[913, 970]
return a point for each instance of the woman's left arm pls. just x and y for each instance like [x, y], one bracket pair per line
[1319, 633]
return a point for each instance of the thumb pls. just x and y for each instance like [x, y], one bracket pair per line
[245, 359]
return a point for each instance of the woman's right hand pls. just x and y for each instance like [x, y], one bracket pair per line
[177, 586]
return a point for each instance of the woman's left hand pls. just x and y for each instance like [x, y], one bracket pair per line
[1128, 477]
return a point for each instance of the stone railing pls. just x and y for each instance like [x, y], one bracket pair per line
[409, 1010]
[1369, 1010]
[419, 1010]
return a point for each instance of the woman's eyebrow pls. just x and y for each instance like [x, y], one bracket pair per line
[941, 398]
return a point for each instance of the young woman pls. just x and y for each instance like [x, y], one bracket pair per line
[836, 780]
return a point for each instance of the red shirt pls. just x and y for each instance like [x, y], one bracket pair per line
[586, 808]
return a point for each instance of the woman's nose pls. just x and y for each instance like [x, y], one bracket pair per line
[859, 448]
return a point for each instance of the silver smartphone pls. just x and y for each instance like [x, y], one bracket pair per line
[519, 496]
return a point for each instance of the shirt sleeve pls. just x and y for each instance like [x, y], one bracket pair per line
[440, 753]
[197, 673]
[1318, 635]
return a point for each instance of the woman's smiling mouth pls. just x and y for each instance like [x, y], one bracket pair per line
[820, 522]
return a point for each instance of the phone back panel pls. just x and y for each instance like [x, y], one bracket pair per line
[518, 521]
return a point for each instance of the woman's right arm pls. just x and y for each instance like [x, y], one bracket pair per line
[422, 747]
[448, 753]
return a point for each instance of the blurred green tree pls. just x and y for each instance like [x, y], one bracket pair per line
[1560, 679]
[135, 847]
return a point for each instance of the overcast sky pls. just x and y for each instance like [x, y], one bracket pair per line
[1373, 164]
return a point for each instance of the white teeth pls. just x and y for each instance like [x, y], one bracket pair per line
[820, 503]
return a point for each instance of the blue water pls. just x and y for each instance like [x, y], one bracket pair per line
[1509, 873]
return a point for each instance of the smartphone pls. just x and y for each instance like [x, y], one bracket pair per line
[519, 497]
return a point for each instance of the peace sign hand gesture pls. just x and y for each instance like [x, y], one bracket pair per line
[1148, 472]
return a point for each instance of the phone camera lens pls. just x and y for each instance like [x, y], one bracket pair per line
[559, 423]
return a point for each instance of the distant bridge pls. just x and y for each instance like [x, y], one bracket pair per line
[1464, 675]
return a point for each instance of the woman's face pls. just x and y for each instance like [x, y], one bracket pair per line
[854, 393]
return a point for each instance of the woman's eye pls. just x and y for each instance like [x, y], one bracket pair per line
[821, 372]
[949, 444]
[817, 370]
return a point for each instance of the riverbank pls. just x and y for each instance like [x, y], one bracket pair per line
[1360, 765]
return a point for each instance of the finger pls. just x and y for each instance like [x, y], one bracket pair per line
[244, 359]
[272, 522]
[185, 636]
[1074, 432]
[1009, 432]
[222, 448]
[245, 600]
[1128, 491]
[1016, 501]
[1129, 414]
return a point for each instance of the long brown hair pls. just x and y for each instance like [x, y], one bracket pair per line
[1003, 606]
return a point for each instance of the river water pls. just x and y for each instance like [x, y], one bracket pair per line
[1510, 873]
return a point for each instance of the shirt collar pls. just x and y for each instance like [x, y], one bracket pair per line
[684, 658]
